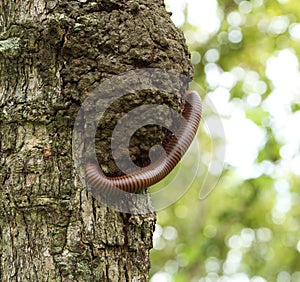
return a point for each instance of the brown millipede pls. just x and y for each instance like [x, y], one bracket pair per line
[147, 176]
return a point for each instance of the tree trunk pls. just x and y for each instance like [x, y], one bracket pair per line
[52, 54]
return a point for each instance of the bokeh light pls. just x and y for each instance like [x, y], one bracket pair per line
[246, 57]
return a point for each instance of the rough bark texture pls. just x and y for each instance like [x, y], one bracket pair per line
[52, 53]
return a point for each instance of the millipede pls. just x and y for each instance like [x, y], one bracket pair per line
[175, 148]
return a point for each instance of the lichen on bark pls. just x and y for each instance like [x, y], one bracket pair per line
[52, 54]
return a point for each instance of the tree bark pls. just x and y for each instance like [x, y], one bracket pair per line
[52, 54]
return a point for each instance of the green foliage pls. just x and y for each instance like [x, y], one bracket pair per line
[248, 226]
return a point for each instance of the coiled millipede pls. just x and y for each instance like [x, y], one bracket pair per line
[175, 148]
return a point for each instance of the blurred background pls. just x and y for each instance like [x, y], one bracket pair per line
[246, 59]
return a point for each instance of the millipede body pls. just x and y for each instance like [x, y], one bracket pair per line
[175, 148]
